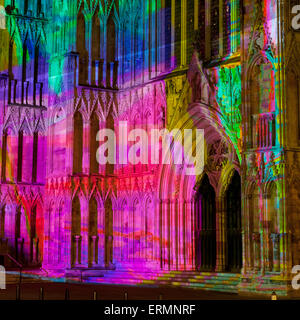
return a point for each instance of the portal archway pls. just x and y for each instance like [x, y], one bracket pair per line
[205, 227]
[233, 225]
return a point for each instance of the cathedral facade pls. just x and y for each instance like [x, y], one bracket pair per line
[229, 67]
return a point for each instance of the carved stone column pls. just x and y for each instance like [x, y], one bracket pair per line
[220, 234]
[247, 237]
[192, 236]
[172, 238]
[10, 223]
[99, 72]
[185, 242]
[25, 236]
[101, 237]
[84, 243]
[256, 250]
[77, 250]
[109, 234]
[267, 253]
[36, 251]
[167, 233]
[94, 245]
[20, 249]
[275, 238]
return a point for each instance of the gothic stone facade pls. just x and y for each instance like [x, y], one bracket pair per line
[70, 68]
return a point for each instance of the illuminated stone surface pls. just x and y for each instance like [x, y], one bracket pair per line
[71, 68]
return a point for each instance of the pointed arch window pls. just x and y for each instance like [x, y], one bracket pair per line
[76, 232]
[33, 223]
[110, 50]
[226, 27]
[24, 74]
[293, 106]
[190, 28]
[37, 94]
[39, 7]
[20, 156]
[262, 100]
[78, 143]
[214, 29]
[201, 29]
[93, 239]
[10, 59]
[178, 32]
[35, 156]
[25, 6]
[111, 38]
[4, 156]
[96, 76]
[81, 48]
[168, 34]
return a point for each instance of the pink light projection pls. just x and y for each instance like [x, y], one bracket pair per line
[72, 69]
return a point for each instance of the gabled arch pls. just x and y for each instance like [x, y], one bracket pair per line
[10, 127]
[226, 177]
[25, 127]
[255, 63]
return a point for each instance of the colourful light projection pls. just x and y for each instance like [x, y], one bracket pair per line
[229, 90]
[74, 68]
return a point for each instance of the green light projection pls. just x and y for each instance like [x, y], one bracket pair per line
[229, 98]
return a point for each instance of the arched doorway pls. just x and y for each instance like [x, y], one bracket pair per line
[93, 238]
[78, 143]
[233, 225]
[108, 233]
[205, 228]
[76, 232]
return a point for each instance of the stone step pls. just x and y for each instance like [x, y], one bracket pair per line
[175, 276]
[222, 282]
[216, 282]
[213, 286]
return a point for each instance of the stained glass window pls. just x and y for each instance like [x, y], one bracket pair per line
[214, 31]
[201, 28]
[226, 27]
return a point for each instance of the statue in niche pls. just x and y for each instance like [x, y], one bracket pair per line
[2, 18]
[262, 89]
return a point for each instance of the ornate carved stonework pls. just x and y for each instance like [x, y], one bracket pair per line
[217, 156]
